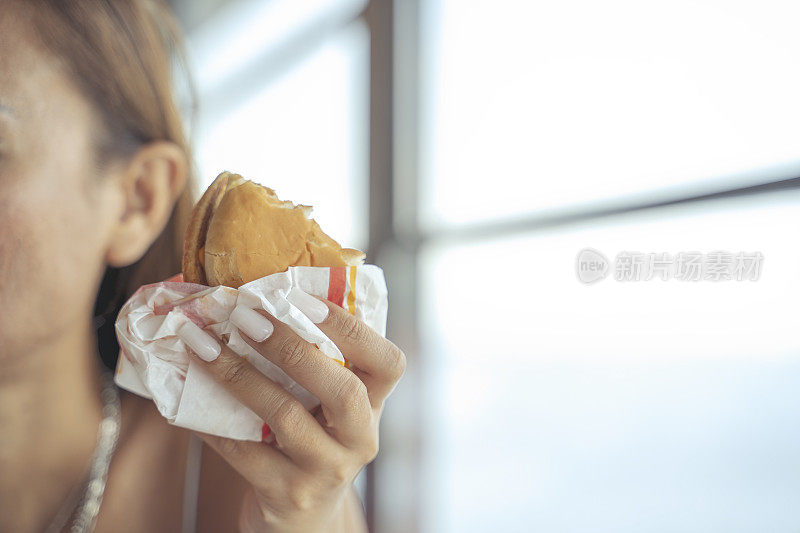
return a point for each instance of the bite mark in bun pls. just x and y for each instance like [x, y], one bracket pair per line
[240, 231]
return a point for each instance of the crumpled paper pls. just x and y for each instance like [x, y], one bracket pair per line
[154, 362]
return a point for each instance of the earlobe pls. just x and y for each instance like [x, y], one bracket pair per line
[150, 184]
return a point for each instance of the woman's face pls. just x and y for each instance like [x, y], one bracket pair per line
[56, 210]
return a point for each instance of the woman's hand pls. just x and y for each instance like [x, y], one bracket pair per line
[302, 478]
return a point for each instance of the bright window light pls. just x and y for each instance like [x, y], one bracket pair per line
[619, 406]
[530, 106]
[304, 134]
[246, 29]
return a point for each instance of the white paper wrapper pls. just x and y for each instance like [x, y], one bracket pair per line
[154, 362]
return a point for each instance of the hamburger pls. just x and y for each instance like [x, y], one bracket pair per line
[241, 231]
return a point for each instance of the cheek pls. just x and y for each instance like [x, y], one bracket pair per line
[23, 279]
[50, 259]
[13, 252]
[52, 228]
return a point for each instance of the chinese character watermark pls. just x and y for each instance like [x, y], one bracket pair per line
[592, 266]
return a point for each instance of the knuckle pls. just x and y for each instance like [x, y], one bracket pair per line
[353, 395]
[288, 414]
[292, 352]
[354, 330]
[397, 363]
[341, 474]
[253, 514]
[229, 447]
[300, 496]
[338, 319]
[257, 516]
[370, 452]
[235, 372]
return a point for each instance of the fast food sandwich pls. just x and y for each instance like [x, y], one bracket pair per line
[241, 231]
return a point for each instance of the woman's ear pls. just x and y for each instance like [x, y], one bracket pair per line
[151, 183]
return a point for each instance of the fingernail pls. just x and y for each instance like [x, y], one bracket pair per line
[199, 341]
[253, 323]
[310, 306]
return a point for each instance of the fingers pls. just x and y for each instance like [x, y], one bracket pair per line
[297, 433]
[281, 491]
[273, 473]
[345, 399]
[251, 459]
[382, 361]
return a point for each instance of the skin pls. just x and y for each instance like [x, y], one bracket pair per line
[62, 221]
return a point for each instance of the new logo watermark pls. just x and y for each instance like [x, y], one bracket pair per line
[592, 266]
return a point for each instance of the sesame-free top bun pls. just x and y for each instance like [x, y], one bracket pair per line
[250, 233]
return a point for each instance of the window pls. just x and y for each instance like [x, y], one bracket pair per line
[540, 403]
[561, 104]
[637, 406]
